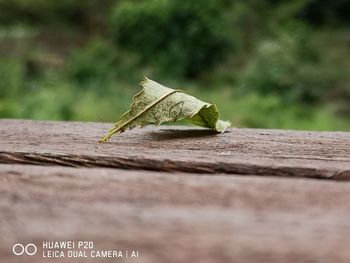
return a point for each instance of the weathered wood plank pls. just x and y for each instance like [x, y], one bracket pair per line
[175, 217]
[186, 149]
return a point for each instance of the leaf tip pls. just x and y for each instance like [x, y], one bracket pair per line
[144, 81]
[104, 139]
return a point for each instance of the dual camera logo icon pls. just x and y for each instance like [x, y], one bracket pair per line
[19, 249]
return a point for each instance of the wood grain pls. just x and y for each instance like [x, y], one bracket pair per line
[182, 149]
[175, 217]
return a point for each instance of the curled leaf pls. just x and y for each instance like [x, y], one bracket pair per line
[156, 104]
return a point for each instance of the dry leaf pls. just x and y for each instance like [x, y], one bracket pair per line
[156, 104]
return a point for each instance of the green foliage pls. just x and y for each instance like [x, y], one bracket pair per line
[94, 62]
[269, 63]
[181, 38]
[56, 102]
[294, 66]
[282, 67]
[271, 111]
[11, 77]
[98, 63]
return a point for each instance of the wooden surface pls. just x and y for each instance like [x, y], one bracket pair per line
[166, 148]
[177, 217]
[185, 196]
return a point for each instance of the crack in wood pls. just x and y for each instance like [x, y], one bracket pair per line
[170, 166]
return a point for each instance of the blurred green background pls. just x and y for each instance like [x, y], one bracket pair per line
[265, 63]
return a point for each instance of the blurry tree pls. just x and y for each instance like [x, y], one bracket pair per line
[183, 38]
[268, 63]
[94, 62]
